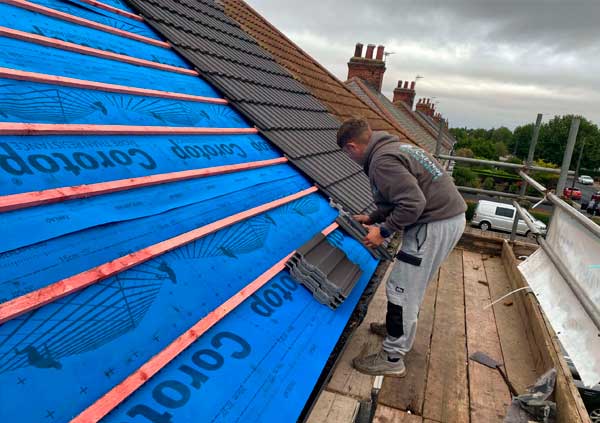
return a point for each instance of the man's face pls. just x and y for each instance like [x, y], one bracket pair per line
[355, 151]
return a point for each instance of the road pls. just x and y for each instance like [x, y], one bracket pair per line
[586, 190]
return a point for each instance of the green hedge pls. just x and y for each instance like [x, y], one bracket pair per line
[471, 205]
[497, 174]
[544, 217]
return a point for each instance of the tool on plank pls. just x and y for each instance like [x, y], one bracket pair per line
[486, 360]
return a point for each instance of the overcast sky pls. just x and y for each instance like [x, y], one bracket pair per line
[489, 63]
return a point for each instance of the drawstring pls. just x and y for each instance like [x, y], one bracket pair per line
[420, 244]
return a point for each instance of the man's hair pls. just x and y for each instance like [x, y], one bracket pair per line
[351, 129]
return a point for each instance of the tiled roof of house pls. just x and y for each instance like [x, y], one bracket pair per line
[411, 121]
[340, 101]
[433, 126]
[262, 90]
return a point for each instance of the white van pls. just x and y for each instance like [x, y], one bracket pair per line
[491, 215]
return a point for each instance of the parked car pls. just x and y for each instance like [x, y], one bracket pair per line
[585, 180]
[590, 396]
[499, 216]
[572, 193]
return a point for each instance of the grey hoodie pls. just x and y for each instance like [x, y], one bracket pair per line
[409, 186]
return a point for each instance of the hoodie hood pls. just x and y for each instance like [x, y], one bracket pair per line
[378, 140]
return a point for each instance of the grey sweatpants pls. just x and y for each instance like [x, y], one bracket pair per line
[430, 244]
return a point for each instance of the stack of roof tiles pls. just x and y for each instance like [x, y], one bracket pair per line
[283, 109]
[358, 232]
[325, 270]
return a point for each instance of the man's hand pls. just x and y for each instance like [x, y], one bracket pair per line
[362, 218]
[373, 238]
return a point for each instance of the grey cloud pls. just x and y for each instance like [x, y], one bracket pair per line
[489, 62]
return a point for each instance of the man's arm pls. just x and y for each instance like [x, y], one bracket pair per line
[401, 189]
[378, 215]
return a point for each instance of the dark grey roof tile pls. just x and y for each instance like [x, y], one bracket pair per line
[264, 92]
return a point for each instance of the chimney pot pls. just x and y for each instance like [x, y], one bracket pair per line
[406, 85]
[400, 83]
[358, 50]
[366, 68]
[370, 49]
[412, 85]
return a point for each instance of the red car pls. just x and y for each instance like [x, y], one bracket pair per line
[572, 193]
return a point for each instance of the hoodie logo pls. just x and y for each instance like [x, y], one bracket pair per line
[420, 156]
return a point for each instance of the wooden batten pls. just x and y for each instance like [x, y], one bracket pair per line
[543, 343]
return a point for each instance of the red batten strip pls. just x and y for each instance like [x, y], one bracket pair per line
[119, 393]
[83, 22]
[28, 302]
[101, 86]
[64, 45]
[330, 229]
[112, 9]
[18, 128]
[55, 195]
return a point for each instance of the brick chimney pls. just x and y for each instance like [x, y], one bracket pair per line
[439, 118]
[405, 94]
[370, 69]
[425, 106]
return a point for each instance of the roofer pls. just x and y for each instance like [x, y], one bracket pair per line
[414, 195]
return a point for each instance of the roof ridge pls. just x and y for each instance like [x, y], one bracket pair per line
[383, 109]
[237, 4]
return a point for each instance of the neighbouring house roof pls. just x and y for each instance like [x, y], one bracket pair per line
[340, 101]
[408, 119]
[265, 92]
[433, 125]
[146, 222]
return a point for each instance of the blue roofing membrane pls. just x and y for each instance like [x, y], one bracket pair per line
[259, 363]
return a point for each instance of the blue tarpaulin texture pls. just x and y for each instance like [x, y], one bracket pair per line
[259, 363]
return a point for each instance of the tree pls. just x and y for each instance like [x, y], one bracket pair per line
[501, 149]
[554, 136]
[465, 152]
[494, 143]
[503, 135]
[521, 140]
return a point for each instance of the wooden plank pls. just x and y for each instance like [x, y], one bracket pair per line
[385, 414]
[408, 393]
[112, 9]
[89, 51]
[55, 195]
[334, 408]
[84, 22]
[19, 128]
[446, 394]
[101, 86]
[489, 397]
[346, 379]
[119, 393]
[481, 244]
[35, 299]
[544, 344]
[520, 366]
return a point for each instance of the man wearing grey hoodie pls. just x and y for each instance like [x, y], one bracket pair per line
[415, 196]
